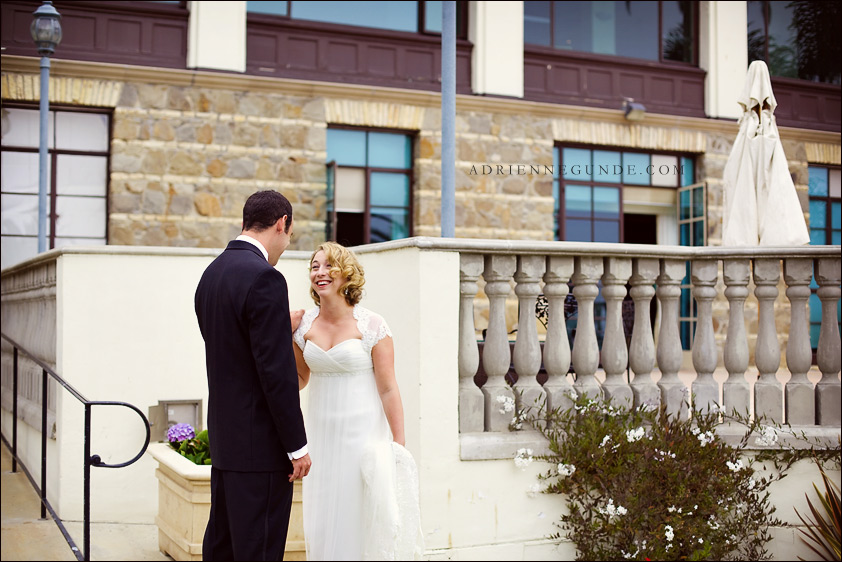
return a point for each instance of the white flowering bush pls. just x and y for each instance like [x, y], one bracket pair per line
[642, 485]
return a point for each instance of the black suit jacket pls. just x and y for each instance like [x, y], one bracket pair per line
[254, 414]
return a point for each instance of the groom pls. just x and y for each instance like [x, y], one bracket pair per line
[256, 430]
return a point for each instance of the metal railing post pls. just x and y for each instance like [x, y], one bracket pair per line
[43, 443]
[15, 411]
[86, 540]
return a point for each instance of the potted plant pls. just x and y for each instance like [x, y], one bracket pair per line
[184, 497]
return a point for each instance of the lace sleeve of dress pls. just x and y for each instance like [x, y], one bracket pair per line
[304, 326]
[372, 326]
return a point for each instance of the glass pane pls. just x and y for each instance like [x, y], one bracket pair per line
[19, 214]
[687, 172]
[275, 8]
[389, 224]
[698, 202]
[22, 127]
[815, 308]
[606, 202]
[634, 168]
[684, 233]
[677, 26]
[684, 205]
[576, 164]
[80, 216]
[346, 147]
[19, 172]
[81, 175]
[835, 181]
[836, 215]
[389, 150]
[606, 231]
[571, 24]
[389, 190]
[686, 296]
[818, 181]
[814, 38]
[756, 31]
[15, 249]
[82, 131]
[635, 28]
[818, 236]
[815, 331]
[836, 237]
[432, 17]
[577, 230]
[396, 15]
[818, 214]
[665, 171]
[577, 201]
[699, 233]
[607, 166]
[536, 23]
[783, 58]
[350, 190]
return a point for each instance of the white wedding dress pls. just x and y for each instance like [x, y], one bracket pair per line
[360, 499]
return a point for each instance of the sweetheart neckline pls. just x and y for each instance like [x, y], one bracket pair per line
[333, 346]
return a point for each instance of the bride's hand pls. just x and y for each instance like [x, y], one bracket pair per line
[295, 318]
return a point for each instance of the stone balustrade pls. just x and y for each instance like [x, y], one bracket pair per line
[587, 270]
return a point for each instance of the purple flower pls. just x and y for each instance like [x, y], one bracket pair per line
[180, 432]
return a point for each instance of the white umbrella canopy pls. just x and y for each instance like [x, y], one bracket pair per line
[761, 205]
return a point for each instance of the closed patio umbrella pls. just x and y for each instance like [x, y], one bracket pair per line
[761, 205]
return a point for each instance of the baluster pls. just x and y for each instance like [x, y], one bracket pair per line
[829, 390]
[556, 346]
[800, 401]
[673, 391]
[735, 390]
[705, 355]
[527, 354]
[768, 395]
[642, 347]
[471, 400]
[587, 271]
[496, 357]
[615, 355]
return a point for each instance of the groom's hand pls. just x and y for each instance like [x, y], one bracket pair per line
[300, 468]
[295, 318]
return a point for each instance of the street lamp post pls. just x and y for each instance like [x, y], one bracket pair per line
[46, 32]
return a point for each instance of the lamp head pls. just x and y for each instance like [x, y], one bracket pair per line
[46, 28]
[634, 111]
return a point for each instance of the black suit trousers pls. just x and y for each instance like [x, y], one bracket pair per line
[249, 515]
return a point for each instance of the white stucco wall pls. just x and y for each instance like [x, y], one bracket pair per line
[723, 53]
[127, 331]
[496, 31]
[217, 35]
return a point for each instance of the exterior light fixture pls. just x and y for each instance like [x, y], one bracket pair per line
[46, 32]
[634, 111]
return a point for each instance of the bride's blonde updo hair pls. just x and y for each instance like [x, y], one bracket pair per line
[343, 265]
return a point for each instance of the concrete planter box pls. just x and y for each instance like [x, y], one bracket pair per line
[184, 506]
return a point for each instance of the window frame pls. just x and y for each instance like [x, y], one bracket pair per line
[331, 220]
[54, 153]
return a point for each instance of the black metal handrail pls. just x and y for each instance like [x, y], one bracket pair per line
[90, 460]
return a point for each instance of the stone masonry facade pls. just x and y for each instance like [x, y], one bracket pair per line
[184, 158]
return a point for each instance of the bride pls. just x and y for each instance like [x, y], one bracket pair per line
[361, 497]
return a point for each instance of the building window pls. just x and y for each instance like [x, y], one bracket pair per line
[414, 17]
[825, 228]
[797, 39]
[77, 183]
[369, 185]
[651, 30]
[692, 231]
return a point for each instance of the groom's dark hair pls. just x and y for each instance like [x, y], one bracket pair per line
[264, 208]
